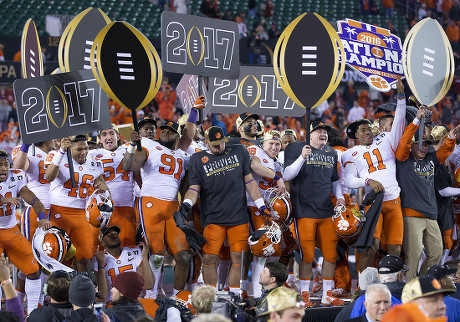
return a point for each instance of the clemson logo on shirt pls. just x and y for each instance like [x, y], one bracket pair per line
[99, 156]
[159, 148]
[113, 154]
[354, 153]
[149, 205]
[66, 165]
[80, 168]
[204, 159]
[266, 161]
[39, 156]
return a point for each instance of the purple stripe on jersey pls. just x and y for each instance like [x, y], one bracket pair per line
[25, 227]
[141, 217]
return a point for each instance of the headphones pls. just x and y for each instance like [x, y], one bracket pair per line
[56, 274]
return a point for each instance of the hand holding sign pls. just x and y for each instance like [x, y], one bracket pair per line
[128, 67]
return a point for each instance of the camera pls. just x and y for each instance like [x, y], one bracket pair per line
[98, 309]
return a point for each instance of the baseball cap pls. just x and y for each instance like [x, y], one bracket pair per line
[147, 119]
[421, 287]
[353, 127]
[439, 271]
[289, 131]
[170, 125]
[391, 264]
[415, 138]
[105, 230]
[242, 117]
[318, 125]
[92, 139]
[280, 299]
[215, 135]
[272, 135]
[79, 137]
[368, 277]
[439, 132]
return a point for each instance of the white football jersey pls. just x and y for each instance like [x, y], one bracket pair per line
[61, 191]
[36, 174]
[341, 172]
[196, 146]
[120, 183]
[454, 158]
[163, 170]
[263, 183]
[14, 182]
[128, 261]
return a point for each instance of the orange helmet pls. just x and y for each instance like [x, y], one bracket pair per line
[266, 241]
[280, 206]
[99, 208]
[348, 223]
[56, 243]
[185, 298]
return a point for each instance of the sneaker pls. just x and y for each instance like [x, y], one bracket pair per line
[339, 292]
[306, 299]
[331, 300]
[317, 284]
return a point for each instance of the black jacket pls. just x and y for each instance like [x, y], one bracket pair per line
[53, 312]
[127, 311]
[361, 318]
[82, 315]
[396, 288]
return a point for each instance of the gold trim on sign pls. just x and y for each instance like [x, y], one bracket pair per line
[47, 105]
[187, 45]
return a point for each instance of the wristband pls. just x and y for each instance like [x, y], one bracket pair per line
[193, 190]
[277, 177]
[57, 159]
[401, 96]
[188, 202]
[259, 203]
[101, 267]
[249, 181]
[33, 200]
[366, 182]
[24, 148]
[132, 143]
[61, 151]
[193, 116]
[8, 281]
[131, 149]
[41, 215]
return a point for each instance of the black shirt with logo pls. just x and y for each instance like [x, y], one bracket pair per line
[223, 190]
[311, 188]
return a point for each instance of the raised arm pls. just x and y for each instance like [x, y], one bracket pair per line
[400, 116]
[144, 268]
[52, 171]
[134, 159]
[404, 146]
[190, 127]
[21, 161]
[448, 147]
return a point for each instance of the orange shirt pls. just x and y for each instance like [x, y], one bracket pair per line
[453, 33]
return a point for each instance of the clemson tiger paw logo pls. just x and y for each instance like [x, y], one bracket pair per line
[379, 82]
[343, 224]
[47, 248]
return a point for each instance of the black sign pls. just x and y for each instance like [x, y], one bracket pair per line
[55, 106]
[199, 46]
[256, 91]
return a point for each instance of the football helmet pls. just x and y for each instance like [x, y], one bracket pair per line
[348, 223]
[55, 244]
[280, 206]
[266, 241]
[185, 298]
[99, 208]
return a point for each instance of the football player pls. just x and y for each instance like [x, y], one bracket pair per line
[116, 259]
[163, 164]
[67, 203]
[312, 172]
[246, 125]
[13, 186]
[372, 165]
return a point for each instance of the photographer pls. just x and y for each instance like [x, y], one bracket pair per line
[82, 296]
[59, 308]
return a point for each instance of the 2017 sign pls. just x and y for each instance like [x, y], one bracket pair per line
[187, 91]
[199, 46]
[55, 106]
[256, 91]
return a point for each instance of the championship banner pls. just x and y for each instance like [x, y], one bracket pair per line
[199, 46]
[31, 53]
[372, 51]
[187, 91]
[78, 37]
[51, 107]
[307, 60]
[256, 91]
[428, 61]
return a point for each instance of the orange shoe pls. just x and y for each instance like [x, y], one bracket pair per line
[306, 299]
[317, 284]
[331, 300]
[339, 292]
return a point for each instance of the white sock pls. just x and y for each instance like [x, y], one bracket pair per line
[235, 290]
[43, 278]
[291, 278]
[327, 285]
[304, 286]
[33, 291]
[244, 284]
[257, 267]
[156, 264]
[445, 253]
